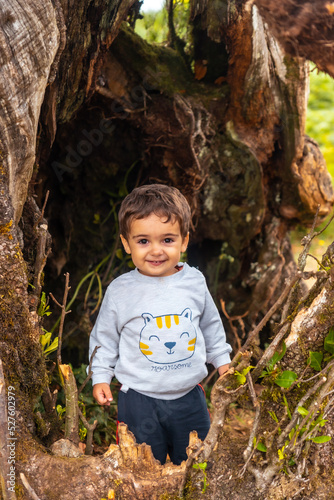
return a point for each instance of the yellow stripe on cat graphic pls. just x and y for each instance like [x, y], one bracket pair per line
[192, 344]
[168, 320]
[144, 347]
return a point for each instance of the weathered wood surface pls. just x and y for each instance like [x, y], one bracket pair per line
[29, 43]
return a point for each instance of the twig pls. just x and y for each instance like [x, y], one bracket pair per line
[301, 381]
[71, 401]
[329, 407]
[62, 318]
[90, 373]
[230, 321]
[28, 487]
[271, 311]
[249, 451]
[41, 253]
[270, 351]
[90, 432]
[296, 415]
[325, 227]
[306, 242]
[41, 217]
[318, 262]
[324, 384]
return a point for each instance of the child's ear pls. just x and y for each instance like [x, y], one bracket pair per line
[185, 243]
[125, 244]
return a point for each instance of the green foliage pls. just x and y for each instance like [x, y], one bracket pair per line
[202, 466]
[321, 439]
[43, 308]
[315, 360]
[241, 376]
[154, 25]
[105, 432]
[48, 346]
[259, 445]
[286, 379]
[285, 402]
[320, 115]
[302, 411]
[329, 342]
[273, 361]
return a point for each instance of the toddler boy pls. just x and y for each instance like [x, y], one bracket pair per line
[157, 327]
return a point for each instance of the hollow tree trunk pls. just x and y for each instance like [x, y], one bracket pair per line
[233, 142]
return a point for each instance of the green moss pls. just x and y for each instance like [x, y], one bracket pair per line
[162, 67]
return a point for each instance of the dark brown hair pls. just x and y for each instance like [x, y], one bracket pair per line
[158, 199]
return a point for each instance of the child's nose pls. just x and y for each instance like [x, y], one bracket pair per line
[156, 249]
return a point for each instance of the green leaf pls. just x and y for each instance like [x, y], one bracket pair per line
[273, 416]
[276, 358]
[303, 411]
[321, 439]
[52, 347]
[286, 379]
[261, 447]
[315, 360]
[45, 339]
[60, 410]
[201, 465]
[97, 219]
[287, 407]
[329, 341]
[241, 378]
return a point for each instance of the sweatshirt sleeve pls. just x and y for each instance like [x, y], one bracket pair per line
[217, 349]
[105, 334]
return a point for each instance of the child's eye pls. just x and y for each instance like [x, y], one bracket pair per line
[143, 241]
[168, 240]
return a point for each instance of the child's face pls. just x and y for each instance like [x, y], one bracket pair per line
[155, 246]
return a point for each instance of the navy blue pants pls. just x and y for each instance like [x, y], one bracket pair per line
[165, 424]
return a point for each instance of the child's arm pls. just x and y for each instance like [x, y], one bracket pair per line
[102, 394]
[217, 349]
[106, 338]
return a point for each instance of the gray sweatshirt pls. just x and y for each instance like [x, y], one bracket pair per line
[156, 334]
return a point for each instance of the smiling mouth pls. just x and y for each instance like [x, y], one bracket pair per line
[156, 262]
[170, 352]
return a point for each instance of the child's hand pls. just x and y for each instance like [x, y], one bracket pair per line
[221, 370]
[102, 394]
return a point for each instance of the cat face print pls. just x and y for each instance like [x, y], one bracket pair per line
[168, 339]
